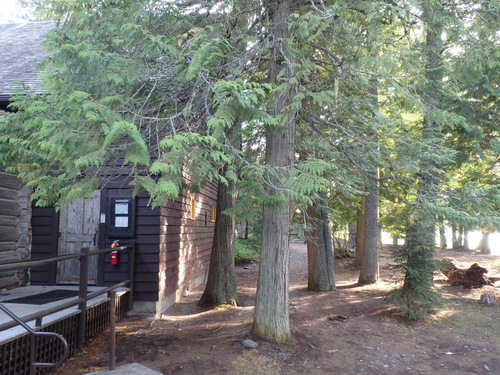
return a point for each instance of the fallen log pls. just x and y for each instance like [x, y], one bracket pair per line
[472, 277]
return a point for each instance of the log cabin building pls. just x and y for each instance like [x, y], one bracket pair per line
[20, 51]
[172, 242]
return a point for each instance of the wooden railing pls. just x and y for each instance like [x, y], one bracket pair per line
[81, 301]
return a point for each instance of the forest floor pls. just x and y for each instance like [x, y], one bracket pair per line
[462, 337]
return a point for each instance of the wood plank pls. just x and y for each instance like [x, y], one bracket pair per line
[141, 257]
[8, 221]
[148, 230]
[9, 281]
[78, 225]
[7, 246]
[146, 267]
[9, 256]
[146, 211]
[9, 208]
[9, 194]
[146, 277]
[184, 239]
[146, 220]
[144, 292]
[189, 229]
[10, 181]
[9, 234]
[44, 243]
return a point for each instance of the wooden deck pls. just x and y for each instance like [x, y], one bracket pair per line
[15, 342]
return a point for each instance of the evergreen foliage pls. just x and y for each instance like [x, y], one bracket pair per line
[246, 250]
[151, 89]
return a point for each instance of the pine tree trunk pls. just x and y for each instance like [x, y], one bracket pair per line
[319, 250]
[221, 285]
[460, 239]
[454, 240]
[246, 231]
[352, 228]
[360, 238]
[379, 236]
[466, 240]
[369, 263]
[395, 240]
[484, 244]
[271, 318]
[442, 236]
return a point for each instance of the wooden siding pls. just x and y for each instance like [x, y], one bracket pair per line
[147, 228]
[186, 244]
[45, 226]
[171, 250]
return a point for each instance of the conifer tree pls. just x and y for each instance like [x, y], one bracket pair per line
[417, 294]
[320, 276]
[158, 88]
[271, 319]
[221, 285]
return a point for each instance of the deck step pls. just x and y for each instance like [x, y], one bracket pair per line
[130, 369]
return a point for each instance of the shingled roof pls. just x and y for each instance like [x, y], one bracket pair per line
[20, 52]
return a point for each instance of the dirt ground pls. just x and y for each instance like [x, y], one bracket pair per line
[461, 338]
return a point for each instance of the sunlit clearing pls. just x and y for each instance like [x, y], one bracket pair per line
[189, 317]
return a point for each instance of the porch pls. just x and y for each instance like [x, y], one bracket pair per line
[71, 314]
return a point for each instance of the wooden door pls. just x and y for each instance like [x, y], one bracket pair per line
[78, 227]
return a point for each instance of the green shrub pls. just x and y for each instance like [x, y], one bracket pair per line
[247, 250]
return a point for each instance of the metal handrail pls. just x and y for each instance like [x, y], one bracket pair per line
[29, 263]
[81, 301]
[72, 302]
[33, 334]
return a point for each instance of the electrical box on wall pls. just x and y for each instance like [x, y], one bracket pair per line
[121, 217]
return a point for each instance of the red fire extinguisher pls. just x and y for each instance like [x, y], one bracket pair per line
[114, 254]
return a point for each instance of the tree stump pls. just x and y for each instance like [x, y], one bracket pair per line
[472, 277]
[487, 299]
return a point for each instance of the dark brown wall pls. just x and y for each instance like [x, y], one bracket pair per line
[186, 244]
[45, 227]
[147, 229]
[171, 249]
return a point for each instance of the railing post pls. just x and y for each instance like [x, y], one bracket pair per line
[32, 354]
[112, 330]
[82, 293]
[131, 270]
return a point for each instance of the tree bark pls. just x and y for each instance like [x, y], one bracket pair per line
[221, 285]
[484, 243]
[454, 239]
[442, 236]
[360, 238]
[319, 250]
[352, 228]
[466, 239]
[460, 239]
[369, 263]
[395, 240]
[271, 318]
[246, 230]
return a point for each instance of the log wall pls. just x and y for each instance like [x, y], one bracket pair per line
[10, 209]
